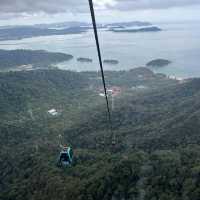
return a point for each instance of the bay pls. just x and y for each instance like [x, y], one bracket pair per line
[178, 42]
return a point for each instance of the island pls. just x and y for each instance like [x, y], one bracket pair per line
[81, 59]
[136, 30]
[111, 62]
[158, 63]
[28, 59]
[21, 32]
[18, 32]
[129, 24]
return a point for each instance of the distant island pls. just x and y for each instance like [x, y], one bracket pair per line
[81, 59]
[99, 25]
[21, 32]
[27, 59]
[128, 24]
[64, 28]
[136, 30]
[111, 61]
[158, 63]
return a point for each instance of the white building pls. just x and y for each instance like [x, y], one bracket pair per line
[53, 112]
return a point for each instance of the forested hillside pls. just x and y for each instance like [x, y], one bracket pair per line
[20, 58]
[157, 155]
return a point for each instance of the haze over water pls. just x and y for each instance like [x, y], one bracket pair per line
[178, 42]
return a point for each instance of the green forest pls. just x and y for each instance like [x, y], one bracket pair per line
[156, 121]
[14, 59]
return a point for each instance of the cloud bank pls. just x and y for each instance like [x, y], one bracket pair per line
[153, 4]
[59, 6]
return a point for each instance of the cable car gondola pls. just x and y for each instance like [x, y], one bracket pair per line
[66, 157]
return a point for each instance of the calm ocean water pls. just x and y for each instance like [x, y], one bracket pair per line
[178, 42]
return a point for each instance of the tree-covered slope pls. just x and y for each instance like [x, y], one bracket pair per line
[158, 119]
[157, 134]
[10, 59]
[18, 88]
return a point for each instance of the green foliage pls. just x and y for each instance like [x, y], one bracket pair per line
[158, 145]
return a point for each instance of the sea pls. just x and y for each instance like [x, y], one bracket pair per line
[178, 42]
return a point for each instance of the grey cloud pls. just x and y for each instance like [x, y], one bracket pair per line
[46, 6]
[77, 6]
[152, 4]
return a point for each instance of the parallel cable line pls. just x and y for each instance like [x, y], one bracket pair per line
[100, 62]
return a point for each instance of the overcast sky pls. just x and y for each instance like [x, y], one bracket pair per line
[47, 11]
